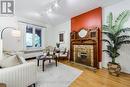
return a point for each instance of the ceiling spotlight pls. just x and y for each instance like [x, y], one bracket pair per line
[56, 5]
[50, 10]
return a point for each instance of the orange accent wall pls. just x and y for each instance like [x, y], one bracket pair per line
[89, 19]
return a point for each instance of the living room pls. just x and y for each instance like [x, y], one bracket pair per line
[64, 43]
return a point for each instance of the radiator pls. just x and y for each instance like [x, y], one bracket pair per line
[33, 53]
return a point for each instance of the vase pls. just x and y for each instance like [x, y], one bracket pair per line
[114, 68]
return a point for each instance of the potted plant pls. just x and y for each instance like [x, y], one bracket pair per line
[57, 48]
[57, 45]
[115, 38]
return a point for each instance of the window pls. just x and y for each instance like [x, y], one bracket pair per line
[33, 37]
[29, 36]
[37, 37]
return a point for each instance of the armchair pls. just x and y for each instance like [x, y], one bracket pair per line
[63, 54]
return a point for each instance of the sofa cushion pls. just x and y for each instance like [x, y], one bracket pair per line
[10, 61]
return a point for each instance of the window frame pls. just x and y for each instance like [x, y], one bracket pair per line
[33, 37]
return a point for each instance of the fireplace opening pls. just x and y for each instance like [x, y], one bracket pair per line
[83, 54]
[83, 59]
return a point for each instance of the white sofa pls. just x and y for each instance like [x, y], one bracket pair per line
[21, 75]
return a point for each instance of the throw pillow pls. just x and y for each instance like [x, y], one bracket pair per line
[10, 61]
[44, 54]
[21, 59]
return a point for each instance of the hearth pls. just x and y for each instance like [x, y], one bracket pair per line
[83, 54]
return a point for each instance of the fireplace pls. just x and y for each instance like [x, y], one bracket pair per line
[84, 47]
[83, 54]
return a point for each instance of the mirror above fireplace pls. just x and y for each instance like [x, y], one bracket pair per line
[82, 33]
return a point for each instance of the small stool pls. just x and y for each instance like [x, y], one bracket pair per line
[2, 85]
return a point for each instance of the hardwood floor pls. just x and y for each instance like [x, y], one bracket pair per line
[101, 78]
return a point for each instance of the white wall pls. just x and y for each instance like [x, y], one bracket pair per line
[50, 36]
[124, 58]
[53, 34]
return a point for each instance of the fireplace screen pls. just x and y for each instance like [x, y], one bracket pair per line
[83, 54]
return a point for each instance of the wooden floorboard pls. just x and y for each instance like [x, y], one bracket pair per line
[99, 79]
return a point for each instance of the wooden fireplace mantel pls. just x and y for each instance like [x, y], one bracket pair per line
[91, 38]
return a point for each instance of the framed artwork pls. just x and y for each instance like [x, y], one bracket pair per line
[93, 34]
[61, 37]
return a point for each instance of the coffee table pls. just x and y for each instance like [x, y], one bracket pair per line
[44, 58]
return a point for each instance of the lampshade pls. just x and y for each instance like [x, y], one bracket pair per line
[56, 5]
[16, 33]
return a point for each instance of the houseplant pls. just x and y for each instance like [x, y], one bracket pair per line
[115, 38]
[57, 45]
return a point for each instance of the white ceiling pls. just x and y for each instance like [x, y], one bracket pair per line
[36, 9]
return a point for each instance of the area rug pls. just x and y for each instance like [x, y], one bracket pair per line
[60, 76]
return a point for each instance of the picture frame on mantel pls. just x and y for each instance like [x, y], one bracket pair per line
[61, 37]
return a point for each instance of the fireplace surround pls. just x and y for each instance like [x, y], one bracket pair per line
[84, 48]
[83, 54]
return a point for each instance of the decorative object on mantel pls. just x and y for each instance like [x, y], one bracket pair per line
[57, 45]
[82, 33]
[84, 47]
[116, 39]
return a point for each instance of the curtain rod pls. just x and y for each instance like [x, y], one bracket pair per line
[32, 24]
